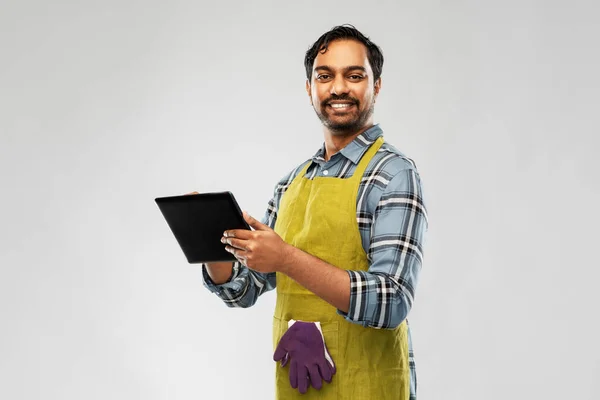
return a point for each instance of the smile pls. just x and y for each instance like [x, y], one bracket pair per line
[340, 106]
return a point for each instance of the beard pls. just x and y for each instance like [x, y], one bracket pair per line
[348, 124]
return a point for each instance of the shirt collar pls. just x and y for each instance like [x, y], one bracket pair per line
[356, 148]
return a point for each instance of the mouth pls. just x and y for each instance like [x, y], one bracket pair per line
[340, 106]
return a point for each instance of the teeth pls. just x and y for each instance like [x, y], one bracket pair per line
[340, 105]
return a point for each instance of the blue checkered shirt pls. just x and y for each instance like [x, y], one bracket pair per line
[392, 219]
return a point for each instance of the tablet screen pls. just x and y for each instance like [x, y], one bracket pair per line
[198, 221]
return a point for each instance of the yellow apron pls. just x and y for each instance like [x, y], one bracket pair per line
[319, 217]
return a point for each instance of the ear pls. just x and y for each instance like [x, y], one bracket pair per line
[308, 91]
[377, 86]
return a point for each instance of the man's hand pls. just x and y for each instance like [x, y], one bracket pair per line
[260, 249]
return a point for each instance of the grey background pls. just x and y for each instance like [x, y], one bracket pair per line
[107, 105]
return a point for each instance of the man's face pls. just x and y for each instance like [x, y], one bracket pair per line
[342, 88]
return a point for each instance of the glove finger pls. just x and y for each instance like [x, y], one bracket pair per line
[329, 359]
[302, 379]
[280, 352]
[285, 359]
[315, 376]
[294, 374]
[331, 366]
[326, 371]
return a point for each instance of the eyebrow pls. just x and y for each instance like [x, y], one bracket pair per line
[346, 69]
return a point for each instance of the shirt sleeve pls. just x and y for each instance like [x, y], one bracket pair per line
[383, 296]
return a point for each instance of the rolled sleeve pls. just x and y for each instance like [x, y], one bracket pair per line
[243, 288]
[230, 284]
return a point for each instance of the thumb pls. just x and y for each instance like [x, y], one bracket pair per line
[254, 223]
[280, 353]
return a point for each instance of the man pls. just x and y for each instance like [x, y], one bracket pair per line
[341, 242]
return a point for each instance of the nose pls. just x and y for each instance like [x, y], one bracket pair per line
[338, 86]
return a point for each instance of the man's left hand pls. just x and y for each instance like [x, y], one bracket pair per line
[261, 249]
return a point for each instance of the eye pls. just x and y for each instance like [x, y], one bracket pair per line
[322, 77]
[356, 77]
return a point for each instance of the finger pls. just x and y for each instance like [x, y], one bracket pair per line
[236, 243]
[280, 352]
[238, 233]
[315, 376]
[326, 371]
[241, 259]
[285, 359]
[294, 374]
[330, 361]
[238, 253]
[254, 223]
[302, 379]
[187, 194]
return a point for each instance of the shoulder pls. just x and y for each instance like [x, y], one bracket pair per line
[392, 174]
[404, 184]
[392, 161]
[387, 167]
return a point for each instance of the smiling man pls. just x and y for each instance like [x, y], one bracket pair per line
[341, 242]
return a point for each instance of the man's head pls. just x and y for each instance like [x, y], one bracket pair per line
[343, 71]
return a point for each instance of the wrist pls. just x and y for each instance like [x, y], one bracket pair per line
[220, 272]
[287, 259]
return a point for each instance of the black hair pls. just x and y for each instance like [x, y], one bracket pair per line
[346, 31]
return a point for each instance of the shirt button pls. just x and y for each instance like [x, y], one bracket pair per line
[325, 172]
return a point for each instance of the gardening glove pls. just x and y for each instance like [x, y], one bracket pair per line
[303, 346]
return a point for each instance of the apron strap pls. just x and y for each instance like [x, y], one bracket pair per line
[366, 158]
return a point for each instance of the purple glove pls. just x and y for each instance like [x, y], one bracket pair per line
[303, 345]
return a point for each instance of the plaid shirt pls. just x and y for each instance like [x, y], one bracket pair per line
[392, 219]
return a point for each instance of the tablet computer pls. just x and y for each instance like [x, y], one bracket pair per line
[198, 221]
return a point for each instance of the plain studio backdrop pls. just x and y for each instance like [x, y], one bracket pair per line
[106, 105]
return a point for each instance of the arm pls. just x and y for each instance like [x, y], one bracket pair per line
[234, 283]
[380, 297]
[330, 283]
[383, 296]
[219, 272]
[243, 288]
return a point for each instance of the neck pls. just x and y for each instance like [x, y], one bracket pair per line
[336, 141]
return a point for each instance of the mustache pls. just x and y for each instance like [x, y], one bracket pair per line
[339, 98]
